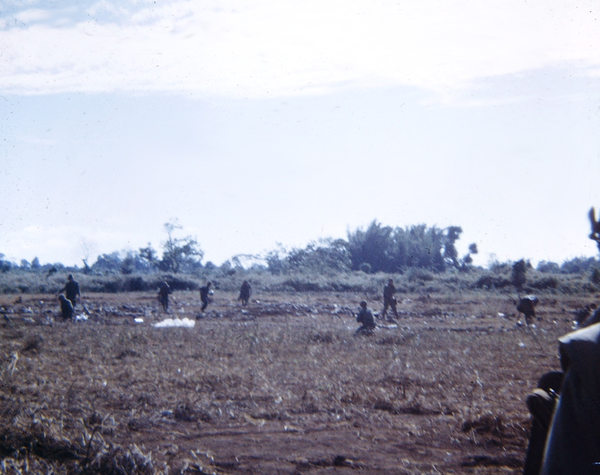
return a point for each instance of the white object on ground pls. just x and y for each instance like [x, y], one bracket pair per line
[176, 322]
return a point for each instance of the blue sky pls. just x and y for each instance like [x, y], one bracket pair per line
[256, 123]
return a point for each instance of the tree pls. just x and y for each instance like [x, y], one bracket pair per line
[386, 249]
[35, 264]
[149, 256]
[132, 262]
[548, 267]
[519, 274]
[450, 253]
[180, 253]
[578, 265]
[86, 247]
[467, 260]
[374, 246]
[276, 260]
[327, 255]
[110, 263]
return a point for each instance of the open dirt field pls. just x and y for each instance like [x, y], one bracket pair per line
[281, 386]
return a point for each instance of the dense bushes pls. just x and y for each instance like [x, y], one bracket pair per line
[489, 282]
[418, 257]
[230, 279]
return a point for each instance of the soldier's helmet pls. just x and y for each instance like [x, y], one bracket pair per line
[363, 303]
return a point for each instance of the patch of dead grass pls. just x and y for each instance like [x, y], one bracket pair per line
[109, 394]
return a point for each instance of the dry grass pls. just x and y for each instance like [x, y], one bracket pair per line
[282, 386]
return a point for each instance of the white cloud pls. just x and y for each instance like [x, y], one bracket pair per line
[261, 48]
[30, 139]
[31, 16]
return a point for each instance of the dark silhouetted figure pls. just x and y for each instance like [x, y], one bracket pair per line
[66, 307]
[204, 293]
[541, 404]
[526, 306]
[592, 319]
[71, 290]
[388, 299]
[365, 317]
[582, 315]
[163, 295]
[595, 235]
[245, 291]
[571, 445]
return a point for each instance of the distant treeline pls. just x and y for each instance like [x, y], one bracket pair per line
[376, 249]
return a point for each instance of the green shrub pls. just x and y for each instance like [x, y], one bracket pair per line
[595, 276]
[491, 282]
[545, 283]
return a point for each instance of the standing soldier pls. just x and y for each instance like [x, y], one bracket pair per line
[163, 295]
[245, 292]
[204, 293]
[388, 298]
[71, 289]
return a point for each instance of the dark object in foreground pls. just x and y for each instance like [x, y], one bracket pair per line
[571, 439]
[541, 404]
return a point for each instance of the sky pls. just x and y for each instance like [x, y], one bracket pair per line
[258, 124]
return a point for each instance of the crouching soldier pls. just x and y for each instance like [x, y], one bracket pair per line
[365, 317]
[66, 307]
[526, 306]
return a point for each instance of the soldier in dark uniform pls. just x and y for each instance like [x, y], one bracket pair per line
[71, 289]
[163, 295]
[566, 410]
[541, 403]
[66, 307]
[204, 293]
[526, 306]
[365, 317]
[245, 292]
[388, 299]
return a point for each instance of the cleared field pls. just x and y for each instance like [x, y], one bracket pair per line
[280, 386]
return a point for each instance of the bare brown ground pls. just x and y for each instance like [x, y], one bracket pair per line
[281, 386]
